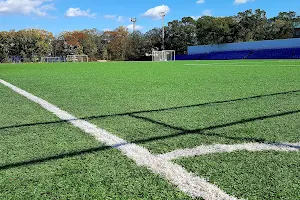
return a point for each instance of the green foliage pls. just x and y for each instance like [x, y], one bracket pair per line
[181, 34]
[119, 44]
[135, 46]
[29, 43]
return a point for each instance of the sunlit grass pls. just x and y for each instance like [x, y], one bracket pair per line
[162, 106]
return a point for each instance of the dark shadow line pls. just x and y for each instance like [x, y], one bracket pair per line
[243, 121]
[289, 145]
[201, 131]
[56, 157]
[155, 110]
[34, 124]
[189, 106]
[157, 122]
[143, 141]
[82, 152]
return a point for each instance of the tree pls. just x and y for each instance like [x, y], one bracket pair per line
[89, 44]
[135, 46]
[153, 40]
[181, 34]
[121, 45]
[75, 40]
[102, 45]
[59, 47]
[190, 31]
[117, 43]
[213, 30]
[281, 26]
[280, 29]
[6, 44]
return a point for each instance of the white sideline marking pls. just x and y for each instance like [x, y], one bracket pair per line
[223, 148]
[236, 64]
[196, 64]
[176, 174]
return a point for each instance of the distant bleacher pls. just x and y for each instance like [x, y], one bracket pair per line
[284, 53]
[287, 53]
[228, 55]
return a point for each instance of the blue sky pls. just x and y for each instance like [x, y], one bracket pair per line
[59, 15]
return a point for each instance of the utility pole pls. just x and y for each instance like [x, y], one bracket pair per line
[133, 20]
[163, 14]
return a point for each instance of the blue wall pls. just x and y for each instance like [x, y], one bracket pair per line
[265, 44]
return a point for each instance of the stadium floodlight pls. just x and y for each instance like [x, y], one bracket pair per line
[164, 55]
[133, 20]
[162, 15]
[77, 58]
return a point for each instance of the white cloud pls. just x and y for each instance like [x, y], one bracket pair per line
[76, 12]
[200, 1]
[25, 7]
[196, 17]
[120, 19]
[106, 29]
[241, 1]
[110, 16]
[48, 7]
[137, 27]
[204, 13]
[154, 12]
[117, 18]
[207, 13]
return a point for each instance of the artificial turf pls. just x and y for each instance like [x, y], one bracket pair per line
[112, 94]
[43, 158]
[250, 175]
[162, 106]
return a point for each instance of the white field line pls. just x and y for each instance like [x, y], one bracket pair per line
[235, 64]
[176, 174]
[223, 148]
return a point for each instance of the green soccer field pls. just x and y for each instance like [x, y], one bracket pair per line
[169, 108]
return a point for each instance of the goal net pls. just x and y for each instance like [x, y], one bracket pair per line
[77, 58]
[165, 55]
[52, 59]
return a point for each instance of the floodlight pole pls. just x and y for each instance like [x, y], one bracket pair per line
[163, 14]
[133, 20]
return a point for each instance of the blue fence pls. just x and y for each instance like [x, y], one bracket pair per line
[285, 53]
[265, 44]
[16, 59]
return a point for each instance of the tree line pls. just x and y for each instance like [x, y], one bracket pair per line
[120, 44]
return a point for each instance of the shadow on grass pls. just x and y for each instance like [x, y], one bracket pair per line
[290, 145]
[183, 132]
[150, 111]
[55, 157]
[202, 130]
[34, 124]
[134, 115]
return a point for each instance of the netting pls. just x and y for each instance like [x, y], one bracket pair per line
[77, 58]
[165, 55]
[52, 59]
